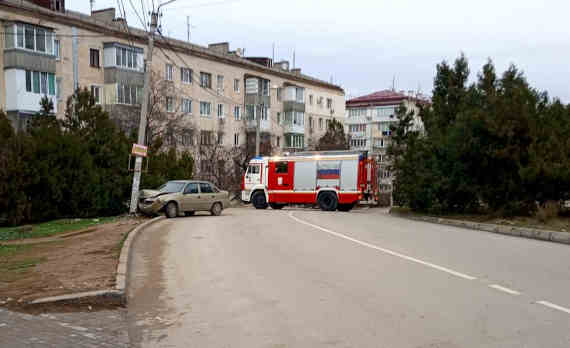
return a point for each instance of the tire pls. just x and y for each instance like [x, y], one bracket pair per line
[259, 201]
[190, 213]
[345, 207]
[171, 210]
[216, 209]
[328, 201]
[276, 206]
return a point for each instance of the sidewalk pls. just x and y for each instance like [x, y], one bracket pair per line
[107, 328]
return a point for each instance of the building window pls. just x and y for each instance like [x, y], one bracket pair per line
[310, 122]
[20, 35]
[43, 83]
[295, 141]
[30, 37]
[236, 139]
[220, 84]
[220, 138]
[205, 109]
[320, 123]
[188, 138]
[220, 110]
[278, 141]
[57, 49]
[96, 93]
[265, 88]
[300, 95]
[58, 82]
[40, 83]
[311, 99]
[126, 58]
[169, 70]
[187, 106]
[320, 101]
[130, 95]
[186, 75]
[358, 143]
[205, 80]
[28, 81]
[94, 57]
[279, 91]
[357, 128]
[236, 85]
[278, 118]
[206, 137]
[329, 103]
[237, 113]
[169, 104]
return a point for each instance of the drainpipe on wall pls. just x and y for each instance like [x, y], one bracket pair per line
[75, 50]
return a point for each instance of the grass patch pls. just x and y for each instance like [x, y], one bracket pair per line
[13, 264]
[51, 228]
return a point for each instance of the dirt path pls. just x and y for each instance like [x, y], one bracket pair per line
[73, 262]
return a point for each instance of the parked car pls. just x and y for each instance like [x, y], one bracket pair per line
[183, 197]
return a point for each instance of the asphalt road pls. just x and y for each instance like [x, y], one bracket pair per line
[306, 278]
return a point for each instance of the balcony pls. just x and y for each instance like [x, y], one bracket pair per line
[357, 135]
[293, 128]
[251, 124]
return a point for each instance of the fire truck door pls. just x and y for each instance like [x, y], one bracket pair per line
[283, 176]
[253, 174]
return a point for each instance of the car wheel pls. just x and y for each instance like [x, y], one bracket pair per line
[216, 209]
[276, 206]
[345, 207]
[328, 201]
[190, 213]
[259, 201]
[171, 210]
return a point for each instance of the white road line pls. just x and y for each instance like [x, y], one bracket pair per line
[502, 288]
[554, 306]
[387, 251]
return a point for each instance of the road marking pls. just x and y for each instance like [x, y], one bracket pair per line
[502, 288]
[554, 306]
[387, 251]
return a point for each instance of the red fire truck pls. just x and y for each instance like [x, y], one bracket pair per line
[332, 179]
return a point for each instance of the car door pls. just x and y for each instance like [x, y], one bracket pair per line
[191, 197]
[207, 196]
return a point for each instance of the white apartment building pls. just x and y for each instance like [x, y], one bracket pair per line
[368, 121]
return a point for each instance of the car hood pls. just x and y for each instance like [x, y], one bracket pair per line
[153, 193]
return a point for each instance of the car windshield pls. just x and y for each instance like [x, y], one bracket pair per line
[171, 186]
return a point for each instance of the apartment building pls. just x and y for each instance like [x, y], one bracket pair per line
[368, 122]
[214, 92]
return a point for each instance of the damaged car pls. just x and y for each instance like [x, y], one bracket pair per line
[183, 198]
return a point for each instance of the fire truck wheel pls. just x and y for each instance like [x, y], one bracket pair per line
[345, 207]
[328, 201]
[259, 201]
[276, 206]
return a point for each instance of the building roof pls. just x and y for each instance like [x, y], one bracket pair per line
[386, 97]
[119, 29]
[380, 97]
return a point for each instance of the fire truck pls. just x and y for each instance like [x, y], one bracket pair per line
[331, 179]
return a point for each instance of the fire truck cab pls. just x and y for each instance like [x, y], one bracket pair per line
[332, 179]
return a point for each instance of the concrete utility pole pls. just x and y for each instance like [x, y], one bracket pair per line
[144, 110]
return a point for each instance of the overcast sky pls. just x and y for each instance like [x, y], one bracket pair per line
[364, 44]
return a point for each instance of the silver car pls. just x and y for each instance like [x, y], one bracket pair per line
[183, 197]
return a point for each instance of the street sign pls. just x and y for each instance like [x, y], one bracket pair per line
[139, 150]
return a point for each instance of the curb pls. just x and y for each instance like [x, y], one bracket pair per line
[118, 294]
[530, 233]
[123, 266]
